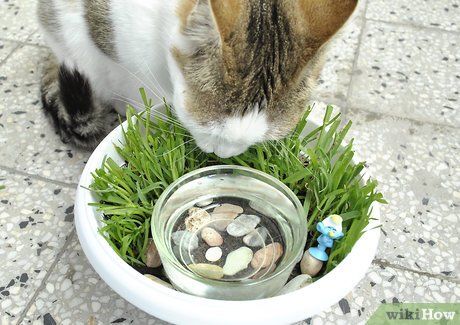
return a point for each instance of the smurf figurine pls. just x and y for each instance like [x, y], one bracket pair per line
[330, 229]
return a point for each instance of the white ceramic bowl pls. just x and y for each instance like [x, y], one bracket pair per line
[180, 308]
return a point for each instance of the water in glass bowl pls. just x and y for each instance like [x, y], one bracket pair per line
[228, 238]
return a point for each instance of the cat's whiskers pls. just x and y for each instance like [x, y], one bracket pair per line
[188, 154]
[169, 151]
[141, 82]
[155, 80]
[140, 106]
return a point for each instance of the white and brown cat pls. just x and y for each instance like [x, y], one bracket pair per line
[237, 72]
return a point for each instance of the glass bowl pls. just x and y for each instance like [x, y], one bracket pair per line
[265, 194]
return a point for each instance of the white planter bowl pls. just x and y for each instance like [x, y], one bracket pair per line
[176, 307]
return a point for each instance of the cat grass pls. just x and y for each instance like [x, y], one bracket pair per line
[317, 167]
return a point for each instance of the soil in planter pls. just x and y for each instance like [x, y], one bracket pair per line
[194, 251]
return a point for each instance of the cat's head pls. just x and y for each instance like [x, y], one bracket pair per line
[243, 69]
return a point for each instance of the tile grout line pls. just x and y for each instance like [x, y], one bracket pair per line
[355, 59]
[48, 274]
[385, 263]
[405, 118]
[20, 44]
[38, 177]
[414, 26]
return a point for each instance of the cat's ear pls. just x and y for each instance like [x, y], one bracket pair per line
[227, 15]
[321, 19]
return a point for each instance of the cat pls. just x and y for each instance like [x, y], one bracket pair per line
[235, 72]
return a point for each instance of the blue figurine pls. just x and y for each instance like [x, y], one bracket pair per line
[330, 229]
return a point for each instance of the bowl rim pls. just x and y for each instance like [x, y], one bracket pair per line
[288, 193]
[177, 307]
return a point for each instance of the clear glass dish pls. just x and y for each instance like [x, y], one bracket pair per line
[265, 194]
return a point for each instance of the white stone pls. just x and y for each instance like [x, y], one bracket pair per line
[159, 281]
[50, 287]
[209, 271]
[66, 284]
[204, 203]
[224, 214]
[6, 303]
[95, 306]
[185, 238]
[237, 260]
[243, 225]
[297, 283]
[256, 237]
[213, 254]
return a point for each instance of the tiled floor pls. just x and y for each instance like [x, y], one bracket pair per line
[394, 70]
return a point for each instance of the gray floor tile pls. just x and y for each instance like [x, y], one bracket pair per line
[18, 19]
[408, 72]
[36, 39]
[28, 141]
[418, 170]
[387, 285]
[35, 219]
[6, 47]
[443, 14]
[335, 76]
[76, 295]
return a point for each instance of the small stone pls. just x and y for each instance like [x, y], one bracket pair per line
[213, 254]
[152, 258]
[209, 271]
[224, 214]
[267, 256]
[204, 203]
[196, 219]
[243, 225]
[297, 283]
[185, 239]
[256, 237]
[237, 260]
[182, 255]
[228, 208]
[310, 265]
[211, 237]
[159, 281]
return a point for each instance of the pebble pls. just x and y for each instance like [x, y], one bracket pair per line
[185, 238]
[196, 219]
[152, 258]
[297, 283]
[209, 271]
[159, 281]
[256, 237]
[226, 207]
[213, 254]
[185, 257]
[267, 256]
[310, 265]
[224, 214]
[204, 203]
[243, 225]
[211, 237]
[237, 260]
